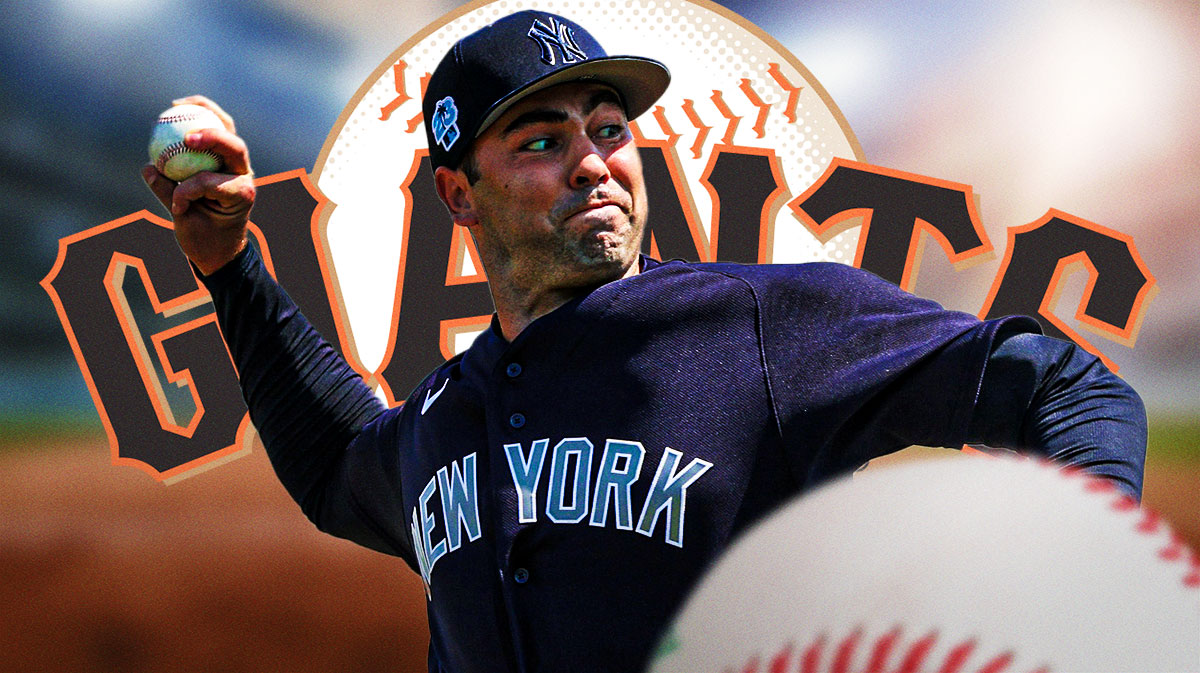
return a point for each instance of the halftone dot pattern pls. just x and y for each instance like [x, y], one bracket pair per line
[722, 66]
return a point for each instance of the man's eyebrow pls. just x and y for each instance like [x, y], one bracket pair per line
[552, 115]
[601, 97]
[537, 116]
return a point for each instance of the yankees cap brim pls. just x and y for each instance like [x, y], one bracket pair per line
[640, 82]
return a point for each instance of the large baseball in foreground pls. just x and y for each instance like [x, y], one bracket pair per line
[975, 564]
[167, 151]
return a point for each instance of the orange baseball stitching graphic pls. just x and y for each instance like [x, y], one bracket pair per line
[718, 100]
[660, 115]
[689, 109]
[760, 124]
[793, 91]
[420, 116]
[398, 75]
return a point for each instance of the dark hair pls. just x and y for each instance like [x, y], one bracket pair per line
[469, 166]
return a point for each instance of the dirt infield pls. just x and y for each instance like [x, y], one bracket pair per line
[102, 569]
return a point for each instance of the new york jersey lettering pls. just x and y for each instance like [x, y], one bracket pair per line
[571, 499]
[459, 498]
[669, 493]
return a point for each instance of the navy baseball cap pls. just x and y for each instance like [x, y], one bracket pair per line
[488, 71]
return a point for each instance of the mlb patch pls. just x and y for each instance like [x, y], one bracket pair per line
[445, 123]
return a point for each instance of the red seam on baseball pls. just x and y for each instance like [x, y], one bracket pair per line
[957, 657]
[178, 117]
[914, 659]
[917, 654]
[779, 663]
[1149, 523]
[883, 647]
[812, 656]
[845, 652]
[998, 664]
[174, 149]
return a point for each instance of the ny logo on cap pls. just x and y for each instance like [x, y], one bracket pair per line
[560, 35]
[445, 123]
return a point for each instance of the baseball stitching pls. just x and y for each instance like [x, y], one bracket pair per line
[178, 117]
[1148, 522]
[841, 656]
[175, 149]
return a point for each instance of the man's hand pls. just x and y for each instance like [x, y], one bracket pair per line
[210, 210]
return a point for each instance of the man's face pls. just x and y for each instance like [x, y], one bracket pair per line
[560, 198]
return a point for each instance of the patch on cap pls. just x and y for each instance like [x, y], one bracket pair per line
[445, 122]
[559, 35]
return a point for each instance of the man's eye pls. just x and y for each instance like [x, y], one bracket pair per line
[539, 145]
[612, 131]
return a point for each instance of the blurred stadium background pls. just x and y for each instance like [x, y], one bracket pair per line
[1084, 106]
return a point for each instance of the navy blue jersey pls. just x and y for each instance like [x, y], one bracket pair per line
[559, 494]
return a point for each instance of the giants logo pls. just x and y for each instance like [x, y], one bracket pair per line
[746, 159]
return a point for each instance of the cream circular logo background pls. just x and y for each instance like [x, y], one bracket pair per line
[732, 84]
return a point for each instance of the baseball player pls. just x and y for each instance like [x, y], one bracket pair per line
[561, 484]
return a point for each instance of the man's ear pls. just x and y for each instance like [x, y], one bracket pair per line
[455, 191]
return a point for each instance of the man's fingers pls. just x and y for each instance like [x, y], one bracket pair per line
[223, 193]
[204, 101]
[227, 195]
[158, 184]
[228, 145]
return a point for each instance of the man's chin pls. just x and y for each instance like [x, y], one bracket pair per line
[601, 264]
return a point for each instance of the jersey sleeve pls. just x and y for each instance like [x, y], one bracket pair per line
[308, 405]
[1050, 397]
[860, 368]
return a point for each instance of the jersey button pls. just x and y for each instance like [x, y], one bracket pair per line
[513, 370]
[517, 420]
[521, 576]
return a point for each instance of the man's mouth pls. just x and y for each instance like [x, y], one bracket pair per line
[595, 204]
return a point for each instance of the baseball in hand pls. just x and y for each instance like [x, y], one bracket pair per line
[167, 151]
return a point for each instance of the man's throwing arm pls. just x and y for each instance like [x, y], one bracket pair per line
[305, 401]
[307, 404]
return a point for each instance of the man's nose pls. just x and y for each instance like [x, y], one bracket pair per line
[590, 168]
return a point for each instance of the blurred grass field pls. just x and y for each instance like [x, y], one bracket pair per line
[1174, 438]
